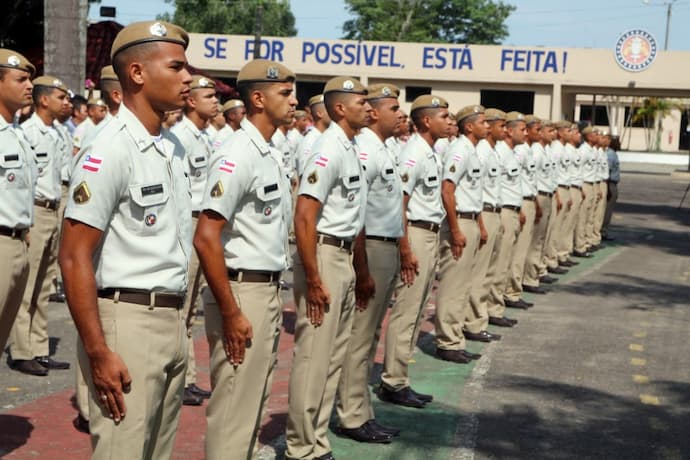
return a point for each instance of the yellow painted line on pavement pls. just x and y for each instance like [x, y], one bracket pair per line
[636, 347]
[638, 361]
[637, 378]
[650, 400]
[640, 334]
[655, 423]
[411, 361]
[12, 388]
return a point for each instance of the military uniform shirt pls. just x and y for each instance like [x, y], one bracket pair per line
[17, 177]
[280, 143]
[463, 167]
[576, 177]
[561, 158]
[383, 215]
[82, 131]
[198, 152]
[220, 136]
[528, 173]
[603, 164]
[420, 171]
[47, 149]
[333, 175]
[246, 186]
[614, 165]
[395, 145]
[133, 187]
[304, 150]
[589, 162]
[544, 174]
[511, 180]
[491, 180]
[67, 150]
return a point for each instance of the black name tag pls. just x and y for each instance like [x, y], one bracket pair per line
[151, 190]
[353, 179]
[198, 159]
[475, 171]
[389, 171]
[433, 178]
[11, 157]
[42, 155]
[270, 188]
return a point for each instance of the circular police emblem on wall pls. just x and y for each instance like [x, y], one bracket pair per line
[635, 50]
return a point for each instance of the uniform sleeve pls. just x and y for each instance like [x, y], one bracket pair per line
[228, 180]
[98, 182]
[320, 174]
[410, 172]
[456, 164]
[370, 165]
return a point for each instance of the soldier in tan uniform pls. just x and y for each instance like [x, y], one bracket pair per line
[17, 181]
[126, 248]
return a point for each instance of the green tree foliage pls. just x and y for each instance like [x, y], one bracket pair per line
[428, 21]
[232, 16]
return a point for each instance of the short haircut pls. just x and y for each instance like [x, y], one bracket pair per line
[246, 90]
[40, 91]
[3, 72]
[77, 102]
[134, 53]
[108, 86]
[331, 99]
[467, 121]
[513, 123]
[418, 115]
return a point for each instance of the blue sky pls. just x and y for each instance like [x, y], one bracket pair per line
[555, 23]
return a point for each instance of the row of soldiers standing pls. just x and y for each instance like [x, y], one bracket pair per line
[373, 222]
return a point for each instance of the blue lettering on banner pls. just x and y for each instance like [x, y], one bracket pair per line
[268, 49]
[442, 58]
[358, 54]
[215, 48]
[517, 60]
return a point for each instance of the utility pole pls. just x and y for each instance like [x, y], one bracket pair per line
[669, 7]
[258, 25]
[64, 41]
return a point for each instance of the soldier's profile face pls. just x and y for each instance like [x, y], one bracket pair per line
[55, 102]
[389, 119]
[497, 130]
[357, 111]
[205, 102]
[15, 89]
[518, 132]
[279, 102]
[438, 123]
[480, 127]
[165, 77]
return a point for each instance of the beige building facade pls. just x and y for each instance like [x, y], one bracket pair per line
[549, 82]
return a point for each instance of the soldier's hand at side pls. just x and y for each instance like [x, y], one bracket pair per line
[409, 267]
[110, 380]
[318, 301]
[483, 236]
[457, 243]
[365, 288]
[537, 215]
[570, 204]
[559, 205]
[523, 219]
[27, 238]
[237, 335]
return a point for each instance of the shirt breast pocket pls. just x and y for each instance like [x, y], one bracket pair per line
[42, 161]
[147, 207]
[268, 201]
[431, 183]
[11, 174]
[474, 177]
[351, 187]
[388, 179]
[197, 165]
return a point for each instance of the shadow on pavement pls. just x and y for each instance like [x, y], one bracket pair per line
[15, 430]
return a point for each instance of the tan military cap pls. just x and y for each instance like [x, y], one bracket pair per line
[514, 116]
[146, 32]
[575, 127]
[547, 124]
[344, 85]
[468, 111]
[300, 113]
[200, 82]
[263, 70]
[587, 130]
[318, 99]
[381, 90]
[532, 119]
[429, 101]
[494, 114]
[51, 82]
[107, 73]
[562, 124]
[605, 133]
[231, 104]
[13, 60]
[94, 101]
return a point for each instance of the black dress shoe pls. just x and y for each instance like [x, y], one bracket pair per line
[512, 320]
[521, 304]
[482, 336]
[454, 356]
[384, 429]
[533, 289]
[190, 399]
[421, 396]
[198, 391]
[472, 356]
[328, 456]
[500, 322]
[81, 424]
[608, 238]
[493, 336]
[366, 433]
[50, 363]
[557, 271]
[402, 397]
[547, 279]
[582, 255]
[595, 247]
[29, 366]
[58, 297]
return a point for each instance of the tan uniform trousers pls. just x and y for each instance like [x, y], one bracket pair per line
[477, 319]
[498, 272]
[195, 277]
[536, 248]
[29, 337]
[554, 233]
[152, 343]
[14, 273]
[319, 353]
[235, 408]
[354, 398]
[591, 217]
[567, 243]
[406, 314]
[454, 286]
[600, 212]
[612, 188]
[513, 289]
[583, 217]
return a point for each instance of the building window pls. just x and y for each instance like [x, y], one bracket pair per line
[634, 121]
[413, 92]
[601, 115]
[307, 89]
[508, 101]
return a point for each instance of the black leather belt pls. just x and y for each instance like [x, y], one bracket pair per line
[386, 239]
[530, 198]
[196, 214]
[579, 187]
[65, 183]
[491, 208]
[609, 181]
[549, 194]
[16, 233]
[253, 276]
[144, 297]
[590, 183]
[468, 215]
[48, 204]
[333, 241]
[426, 225]
[564, 186]
[511, 207]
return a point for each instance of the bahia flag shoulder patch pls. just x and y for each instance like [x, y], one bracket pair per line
[92, 163]
[322, 161]
[227, 166]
